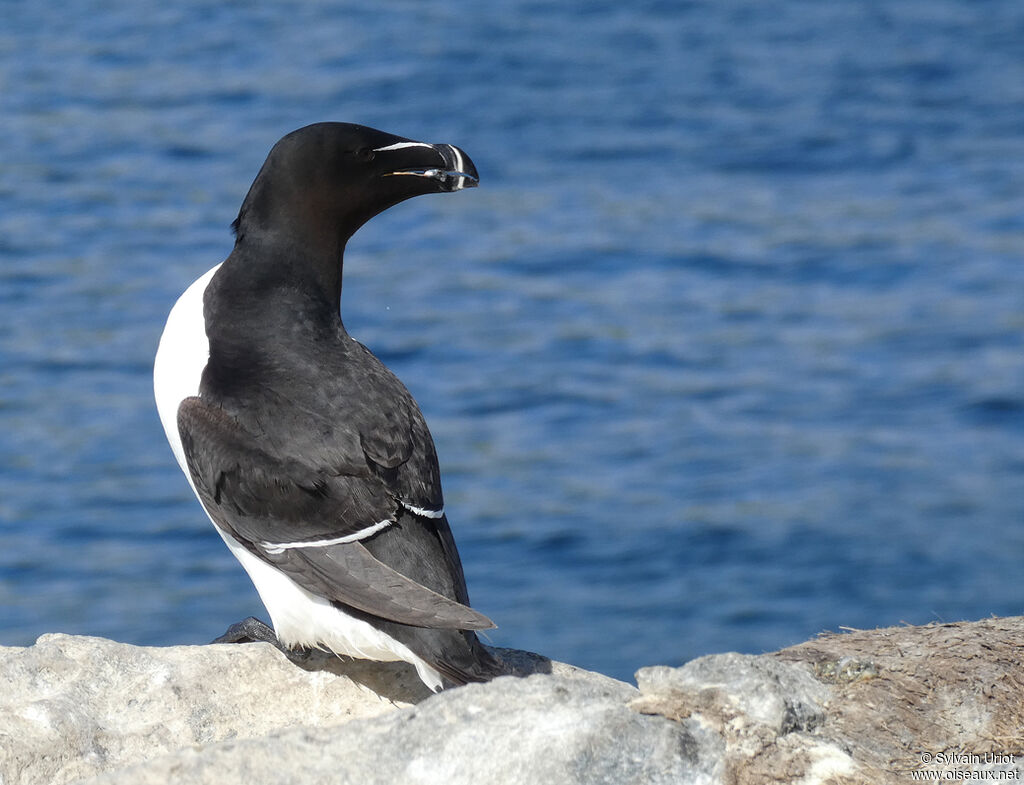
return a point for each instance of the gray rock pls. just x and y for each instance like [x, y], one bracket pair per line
[72, 707]
[780, 696]
[865, 707]
[542, 730]
[78, 709]
[764, 712]
[943, 702]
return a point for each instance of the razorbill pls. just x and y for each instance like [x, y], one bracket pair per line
[310, 457]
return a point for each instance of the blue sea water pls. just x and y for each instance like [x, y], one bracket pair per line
[726, 350]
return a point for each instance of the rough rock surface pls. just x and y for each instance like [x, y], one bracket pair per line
[72, 707]
[949, 692]
[865, 707]
[542, 730]
[943, 702]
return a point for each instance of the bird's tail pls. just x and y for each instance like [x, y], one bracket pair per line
[472, 664]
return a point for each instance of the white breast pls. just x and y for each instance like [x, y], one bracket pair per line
[180, 360]
[299, 618]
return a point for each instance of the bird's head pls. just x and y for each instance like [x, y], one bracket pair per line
[322, 182]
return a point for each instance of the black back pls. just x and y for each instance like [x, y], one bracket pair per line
[299, 434]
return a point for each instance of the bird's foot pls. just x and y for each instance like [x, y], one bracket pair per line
[252, 630]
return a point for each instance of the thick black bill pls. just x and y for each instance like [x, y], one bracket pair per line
[454, 172]
[459, 168]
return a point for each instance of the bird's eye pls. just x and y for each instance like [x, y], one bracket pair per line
[364, 154]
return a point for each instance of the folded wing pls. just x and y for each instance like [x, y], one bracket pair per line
[310, 521]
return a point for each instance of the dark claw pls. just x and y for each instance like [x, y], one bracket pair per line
[252, 630]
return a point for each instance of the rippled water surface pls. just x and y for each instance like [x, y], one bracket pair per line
[726, 350]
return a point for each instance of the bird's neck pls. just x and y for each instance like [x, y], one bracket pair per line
[268, 300]
[266, 264]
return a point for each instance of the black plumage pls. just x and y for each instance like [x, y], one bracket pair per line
[302, 445]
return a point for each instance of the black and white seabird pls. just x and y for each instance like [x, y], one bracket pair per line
[311, 458]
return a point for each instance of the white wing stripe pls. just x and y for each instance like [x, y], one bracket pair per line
[421, 511]
[281, 547]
